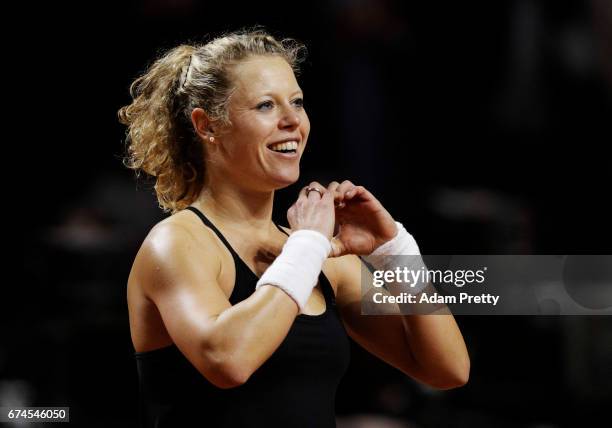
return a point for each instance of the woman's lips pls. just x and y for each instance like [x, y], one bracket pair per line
[288, 155]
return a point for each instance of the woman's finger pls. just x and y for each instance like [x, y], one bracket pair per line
[345, 186]
[315, 191]
[355, 191]
[333, 186]
[338, 197]
[337, 248]
[303, 194]
[328, 198]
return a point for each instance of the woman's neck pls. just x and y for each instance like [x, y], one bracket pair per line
[237, 207]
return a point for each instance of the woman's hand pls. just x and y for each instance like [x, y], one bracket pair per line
[362, 223]
[313, 211]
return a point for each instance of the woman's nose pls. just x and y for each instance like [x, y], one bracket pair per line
[290, 119]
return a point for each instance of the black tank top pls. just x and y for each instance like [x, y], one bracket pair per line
[295, 387]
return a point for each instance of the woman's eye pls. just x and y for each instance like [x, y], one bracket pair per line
[265, 105]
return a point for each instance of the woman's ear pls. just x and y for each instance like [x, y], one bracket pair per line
[202, 124]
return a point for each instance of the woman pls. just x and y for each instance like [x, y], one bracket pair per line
[233, 322]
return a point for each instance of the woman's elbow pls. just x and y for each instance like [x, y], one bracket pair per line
[225, 372]
[225, 376]
[454, 378]
[443, 377]
[457, 380]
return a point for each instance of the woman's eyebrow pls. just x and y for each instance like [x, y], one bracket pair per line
[271, 94]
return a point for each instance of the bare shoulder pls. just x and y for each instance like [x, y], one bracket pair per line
[181, 227]
[171, 246]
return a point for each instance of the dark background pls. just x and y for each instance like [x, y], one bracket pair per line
[483, 126]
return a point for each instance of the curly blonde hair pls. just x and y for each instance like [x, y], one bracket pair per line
[160, 138]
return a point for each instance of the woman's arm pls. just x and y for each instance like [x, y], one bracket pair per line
[225, 343]
[228, 343]
[429, 348]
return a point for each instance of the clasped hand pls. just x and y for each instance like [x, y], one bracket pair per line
[353, 219]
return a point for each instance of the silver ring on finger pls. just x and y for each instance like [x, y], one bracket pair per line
[313, 189]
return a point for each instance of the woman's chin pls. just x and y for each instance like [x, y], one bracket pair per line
[280, 182]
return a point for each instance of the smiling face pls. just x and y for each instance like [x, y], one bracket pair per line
[265, 109]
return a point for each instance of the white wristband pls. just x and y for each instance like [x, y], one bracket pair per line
[403, 244]
[296, 269]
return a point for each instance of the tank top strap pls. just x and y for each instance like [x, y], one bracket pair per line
[209, 223]
[281, 229]
[326, 287]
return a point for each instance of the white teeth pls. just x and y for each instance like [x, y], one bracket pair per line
[291, 145]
